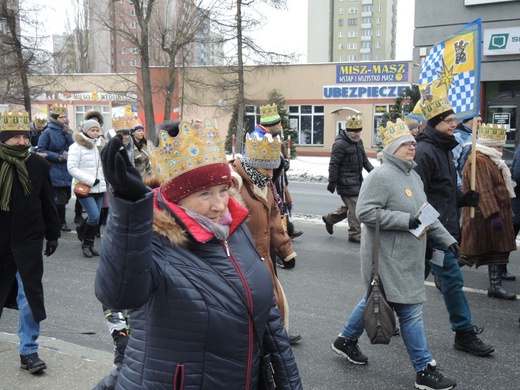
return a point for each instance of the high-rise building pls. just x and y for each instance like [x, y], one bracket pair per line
[351, 30]
[114, 23]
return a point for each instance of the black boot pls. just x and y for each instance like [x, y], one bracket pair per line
[470, 343]
[80, 229]
[495, 284]
[506, 275]
[103, 214]
[88, 239]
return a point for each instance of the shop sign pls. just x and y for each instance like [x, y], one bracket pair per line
[94, 96]
[501, 41]
[379, 72]
[363, 92]
[502, 118]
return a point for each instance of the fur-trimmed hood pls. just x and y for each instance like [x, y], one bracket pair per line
[81, 139]
[94, 114]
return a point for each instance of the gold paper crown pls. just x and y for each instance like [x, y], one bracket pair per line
[125, 123]
[393, 131]
[15, 121]
[266, 148]
[354, 122]
[40, 121]
[269, 114]
[192, 148]
[492, 134]
[433, 105]
[60, 109]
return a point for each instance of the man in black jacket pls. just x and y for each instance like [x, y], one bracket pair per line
[435, 165]
[27, 215]
[347, 160]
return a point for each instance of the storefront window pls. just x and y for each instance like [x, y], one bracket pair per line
[309, 122]
[80, 111]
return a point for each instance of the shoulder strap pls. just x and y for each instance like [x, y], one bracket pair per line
[375, 248]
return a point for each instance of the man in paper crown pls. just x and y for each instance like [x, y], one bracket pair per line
[347, 161]
[28, 215]
[38, 125]
[435, 166]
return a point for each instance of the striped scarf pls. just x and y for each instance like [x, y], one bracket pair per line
[14, 157]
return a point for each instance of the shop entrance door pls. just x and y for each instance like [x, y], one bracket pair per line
[504, 112]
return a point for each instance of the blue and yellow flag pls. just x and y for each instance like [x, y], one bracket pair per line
[452, 68]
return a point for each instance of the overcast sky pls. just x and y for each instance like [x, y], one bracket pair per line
[284, 31]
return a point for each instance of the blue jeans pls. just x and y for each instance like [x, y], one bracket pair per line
[412, 331]
[28, 328]
[92, 206]
[455, 299]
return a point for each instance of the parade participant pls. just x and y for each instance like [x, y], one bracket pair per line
[398, 191]
[191, 272]
[463, 133]
[436, 168]
[38, 125]
[488, 237]
[141, 158]
[55, 142]
[84, 164]
[347, 160]
[28, 215]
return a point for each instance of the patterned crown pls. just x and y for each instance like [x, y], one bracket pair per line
[263, 152]
[60, 109]
[125, 123]
[269, 115]
[40, 121]
[492, 134]
[354, 122]
[15, 121]
[192, 148]
[393, 131]
[433, 105]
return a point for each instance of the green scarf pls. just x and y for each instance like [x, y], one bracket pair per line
[14, 156]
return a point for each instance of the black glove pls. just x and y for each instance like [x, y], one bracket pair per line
[50, 248]
[429, 250]
[455, 249]
[470, 199]
[413, 222]
[331, 188]
[119, 172]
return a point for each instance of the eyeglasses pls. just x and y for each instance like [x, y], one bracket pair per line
[450, 121]
[408, 145]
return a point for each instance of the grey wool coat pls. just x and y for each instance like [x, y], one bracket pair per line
[398, 190]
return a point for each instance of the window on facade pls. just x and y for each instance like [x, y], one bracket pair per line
[340, 46]
[365, 57]
[379, 8]
[341, 22]
[352, 57]
[352, 10]
[340, 34]
[378, 45]
[367, 8]
[366, 45]
[340, 58]
[133, 25]
[309, 122]
[123, 63]
[378, 33]
[378, 20]
[131, 12]
[352, 22]
[366, 33]
[134, 50]
[341, 11]
[352, 33]
[123, 49]
[352, 46]
[134, 63]
[366, 20]
[80, 110]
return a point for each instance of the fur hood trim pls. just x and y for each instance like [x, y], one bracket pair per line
[94, 114]
[86, 142]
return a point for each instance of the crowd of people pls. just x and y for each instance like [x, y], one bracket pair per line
[200, 277]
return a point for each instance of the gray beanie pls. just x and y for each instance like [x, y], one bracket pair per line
[88, 124]
[396, 143]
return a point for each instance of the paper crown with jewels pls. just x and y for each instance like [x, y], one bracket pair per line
[393, 131]
[190, 161]
[13, 124]
[354, 122]
[125, 123]
[433, 105]
[492, 134]
[269, 115]
[263, 152]
[59, 109]
[40, 121]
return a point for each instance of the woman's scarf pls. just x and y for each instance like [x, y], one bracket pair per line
[14, 157]
[220, 230]
[140, 144]
[256, 177]
[496, 156]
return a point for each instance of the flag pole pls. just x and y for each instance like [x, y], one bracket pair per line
[473, 162]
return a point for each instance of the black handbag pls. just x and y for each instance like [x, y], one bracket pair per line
[378, 317]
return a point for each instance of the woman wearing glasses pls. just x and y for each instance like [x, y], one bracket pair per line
[84, 164]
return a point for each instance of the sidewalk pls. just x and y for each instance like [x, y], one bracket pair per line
[70, 366]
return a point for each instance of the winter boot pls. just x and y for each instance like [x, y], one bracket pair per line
[103, 214]
[506, 275]
[495, 284]
[80, 229]
[88, 239]
[469, 342]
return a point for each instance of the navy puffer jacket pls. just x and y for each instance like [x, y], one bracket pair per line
[190, 330]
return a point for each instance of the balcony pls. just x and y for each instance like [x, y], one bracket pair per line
[365, 51]
[366, 26]
[366, 38]
[366, 2]
[366, 14]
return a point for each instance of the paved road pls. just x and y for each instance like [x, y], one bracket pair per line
[322, 289]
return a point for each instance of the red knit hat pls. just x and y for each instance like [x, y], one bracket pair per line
[191, 161]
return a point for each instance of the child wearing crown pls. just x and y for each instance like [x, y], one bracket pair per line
[190, 272]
